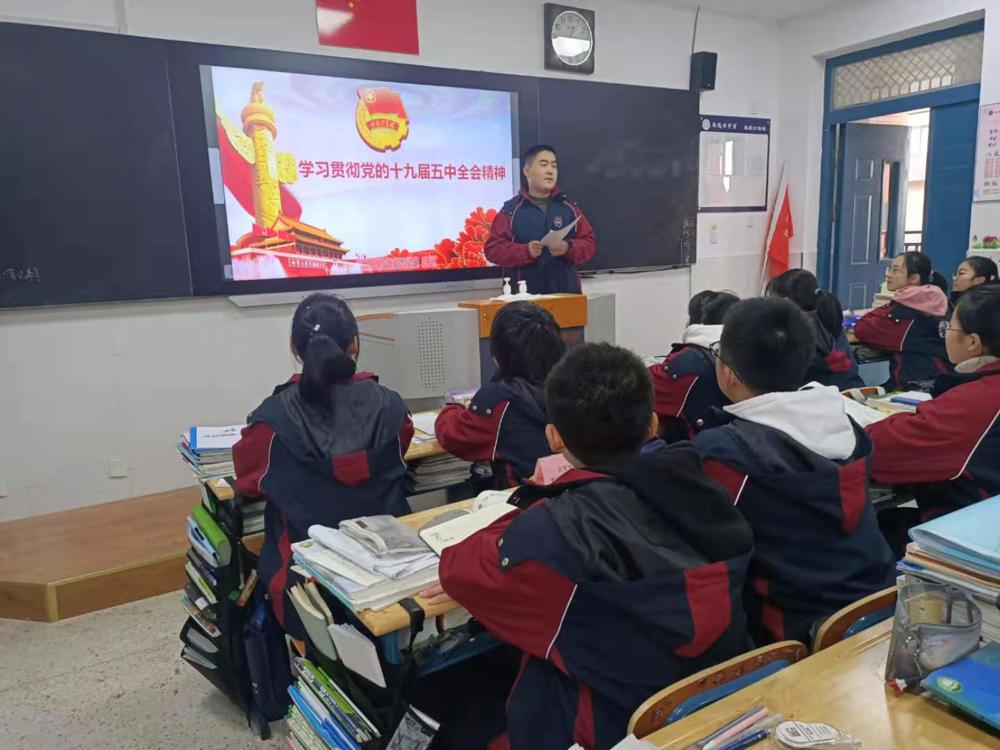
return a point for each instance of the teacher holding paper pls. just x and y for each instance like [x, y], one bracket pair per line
[540, 232]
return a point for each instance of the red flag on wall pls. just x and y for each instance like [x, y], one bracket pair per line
[781, 231]
[386, 25]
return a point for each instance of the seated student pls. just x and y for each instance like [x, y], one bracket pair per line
[950, 448]
[908, 326]
[684, 384]
[796, 466]
[623, 576]
[971, 272]
[833, 361]
[323, 447]
[505, 423]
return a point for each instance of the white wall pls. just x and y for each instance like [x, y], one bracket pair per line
[83, 384]
[846, 28]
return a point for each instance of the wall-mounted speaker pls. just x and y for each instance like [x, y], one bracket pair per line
[703, 71]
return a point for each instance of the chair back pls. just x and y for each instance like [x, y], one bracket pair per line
[856, 617]
[692, 693]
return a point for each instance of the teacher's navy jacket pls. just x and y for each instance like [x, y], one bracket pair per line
[520, 221]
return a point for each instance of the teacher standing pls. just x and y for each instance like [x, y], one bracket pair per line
[516, 234]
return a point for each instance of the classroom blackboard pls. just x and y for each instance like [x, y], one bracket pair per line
[107, 192]
[629, 156]
[89, 189]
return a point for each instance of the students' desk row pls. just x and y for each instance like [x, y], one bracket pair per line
[392, 624]
[841, 686]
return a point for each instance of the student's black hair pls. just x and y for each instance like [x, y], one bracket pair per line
[982, 268]
[920, 264]
[979, 312]
[800, 286]
[323, 328]
[531, 153]
[710, 307]
[525, 341]
[768, 342]
[600, 398]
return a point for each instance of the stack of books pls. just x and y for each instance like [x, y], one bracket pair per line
[208, 451]
[436, 473]
[361, 573]
[960, 549]
[322, 716]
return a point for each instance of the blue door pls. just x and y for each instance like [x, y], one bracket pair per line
[870, 216]
[951, 164]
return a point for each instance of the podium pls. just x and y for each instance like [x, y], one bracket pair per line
[569, 310]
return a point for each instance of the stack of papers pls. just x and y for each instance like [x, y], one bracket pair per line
[208, 451]
[961, 549]
[436, 473]
[358, 577]
[423, 426]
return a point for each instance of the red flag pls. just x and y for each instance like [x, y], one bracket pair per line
[781, 231]
[237, 175]
[386, 25]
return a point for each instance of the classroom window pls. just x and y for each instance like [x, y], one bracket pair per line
[937, 65]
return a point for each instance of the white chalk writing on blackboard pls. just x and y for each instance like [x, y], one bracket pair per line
[28, 275]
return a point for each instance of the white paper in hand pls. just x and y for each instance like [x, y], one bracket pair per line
[554, 236]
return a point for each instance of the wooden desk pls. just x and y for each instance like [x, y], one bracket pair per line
[569, 310]
[429, 449]
[841, 686]
[395, 618]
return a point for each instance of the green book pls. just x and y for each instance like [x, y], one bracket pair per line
[214, 533]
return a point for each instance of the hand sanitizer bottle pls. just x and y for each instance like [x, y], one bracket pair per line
[506, 286]
[522, 288]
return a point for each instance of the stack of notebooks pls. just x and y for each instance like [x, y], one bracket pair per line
[436, 473]
[208, 451]
[960, 549]
[367, 563]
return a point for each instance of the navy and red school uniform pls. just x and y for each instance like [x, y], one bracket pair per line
[317, 469]
[520, 221]
[685, 387]
[834, 363]
[504, 424]
[817, 544]
[908, 328]
[949, 450]
[613, 583]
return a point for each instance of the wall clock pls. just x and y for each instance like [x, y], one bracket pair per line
[569, 39]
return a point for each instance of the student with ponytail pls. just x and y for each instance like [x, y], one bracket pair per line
[325, 446]
[949, 450]
[972, 272]
[908, 326]
[833, 363]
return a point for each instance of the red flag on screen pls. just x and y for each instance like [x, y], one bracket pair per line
[386, 25]
[780, 233]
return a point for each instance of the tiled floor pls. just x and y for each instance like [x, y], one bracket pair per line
[112, 680]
